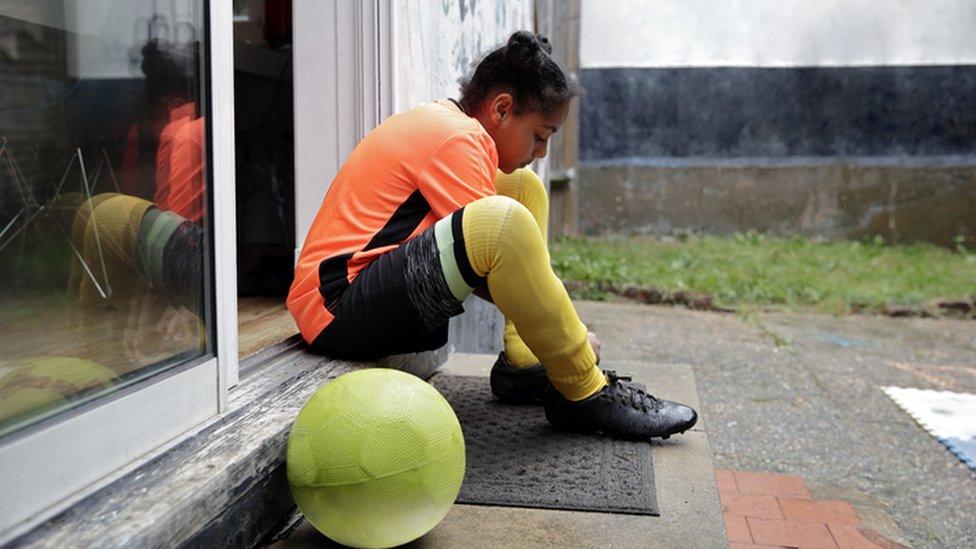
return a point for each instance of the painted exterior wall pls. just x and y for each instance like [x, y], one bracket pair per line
[437, 42]
[727, 116]
[776, 33]
[436, 45]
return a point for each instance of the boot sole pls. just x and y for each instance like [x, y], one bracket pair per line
[570, 428]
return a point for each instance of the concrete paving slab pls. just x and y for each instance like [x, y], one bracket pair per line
[691, 515]
[686, 491]
[468, 364]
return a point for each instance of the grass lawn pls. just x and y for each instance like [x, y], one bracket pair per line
[752, 270]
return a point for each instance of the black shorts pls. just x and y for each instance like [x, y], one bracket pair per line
[400, 303]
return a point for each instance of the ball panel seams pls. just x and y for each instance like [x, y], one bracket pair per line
[378, 458]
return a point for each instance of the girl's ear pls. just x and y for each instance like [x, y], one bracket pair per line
[501, 107]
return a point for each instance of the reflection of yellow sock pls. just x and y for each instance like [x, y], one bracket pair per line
[109, 244]
[503, 243]
[79, 228]
[524, 186]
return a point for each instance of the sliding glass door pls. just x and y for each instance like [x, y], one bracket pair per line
[107, 305]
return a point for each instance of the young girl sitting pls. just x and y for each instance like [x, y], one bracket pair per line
[437, 203]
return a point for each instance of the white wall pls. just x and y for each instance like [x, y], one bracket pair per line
[776, 33]
[436, 43]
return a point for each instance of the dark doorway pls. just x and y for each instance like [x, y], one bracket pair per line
[264, 122]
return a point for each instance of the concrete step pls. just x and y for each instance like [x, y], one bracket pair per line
[691, 515]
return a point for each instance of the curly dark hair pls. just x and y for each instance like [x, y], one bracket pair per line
[524, 68]
[170, 72]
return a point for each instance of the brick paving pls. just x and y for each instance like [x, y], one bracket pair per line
[774, 510]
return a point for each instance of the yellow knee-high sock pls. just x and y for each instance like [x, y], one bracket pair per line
[504, 244]
[528, 189]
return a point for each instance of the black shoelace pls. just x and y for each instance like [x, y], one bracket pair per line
[631, 395]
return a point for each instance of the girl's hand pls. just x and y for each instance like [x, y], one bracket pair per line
[595, 343]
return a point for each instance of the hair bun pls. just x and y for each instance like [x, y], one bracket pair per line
[544, 44]
[525, 50]
[523, 66]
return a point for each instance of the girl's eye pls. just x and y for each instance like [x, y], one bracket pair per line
[539, 139]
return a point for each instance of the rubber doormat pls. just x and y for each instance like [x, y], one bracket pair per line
[514, 458]
[949, 417]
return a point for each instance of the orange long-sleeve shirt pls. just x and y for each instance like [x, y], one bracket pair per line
[410, 171]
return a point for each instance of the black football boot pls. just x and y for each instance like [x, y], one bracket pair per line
[518, 385]
[622, 409]
[526, 385]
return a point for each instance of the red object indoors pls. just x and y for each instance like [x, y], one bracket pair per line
[277, 22]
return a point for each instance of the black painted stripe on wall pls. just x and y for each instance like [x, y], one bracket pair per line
[732, 112]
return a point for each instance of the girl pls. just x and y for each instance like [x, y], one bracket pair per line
[418, 218]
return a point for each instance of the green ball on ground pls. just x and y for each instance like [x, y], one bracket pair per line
[375, 458]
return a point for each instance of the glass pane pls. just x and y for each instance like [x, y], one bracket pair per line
[104, 255]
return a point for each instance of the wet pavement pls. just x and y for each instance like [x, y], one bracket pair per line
[801, 394]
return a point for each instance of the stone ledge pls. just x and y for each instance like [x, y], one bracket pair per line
[223, 486]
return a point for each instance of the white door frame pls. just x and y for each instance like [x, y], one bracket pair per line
[343, 85]
[51, 465]
[224, 193]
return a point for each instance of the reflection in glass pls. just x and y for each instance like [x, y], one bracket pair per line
[102, 199]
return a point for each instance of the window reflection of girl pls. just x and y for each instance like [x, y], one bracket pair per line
[171, 136]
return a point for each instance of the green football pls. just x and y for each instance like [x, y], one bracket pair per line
[375, 458]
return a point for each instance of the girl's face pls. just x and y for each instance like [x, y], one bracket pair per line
[520, 139]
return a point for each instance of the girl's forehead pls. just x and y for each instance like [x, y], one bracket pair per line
[554, 119]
